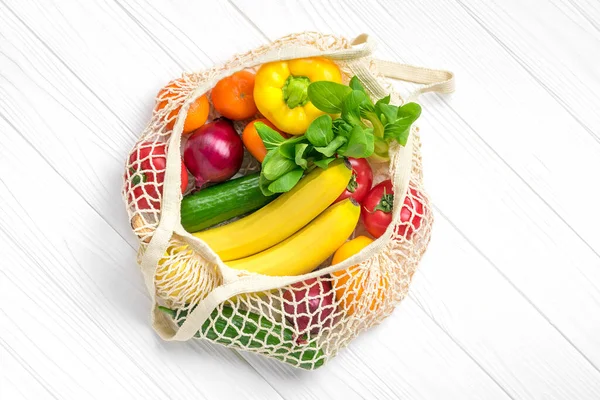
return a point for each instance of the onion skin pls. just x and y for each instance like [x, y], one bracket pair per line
[214, 152]
[308, 305]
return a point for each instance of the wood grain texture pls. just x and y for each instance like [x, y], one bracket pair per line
[506, 302]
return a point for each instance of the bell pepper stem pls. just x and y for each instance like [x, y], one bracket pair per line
[295, 91]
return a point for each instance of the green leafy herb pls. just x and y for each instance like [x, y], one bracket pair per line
[270, 137]
[276, 165]
[360, 144]
[355, 84]
[287, 148]
[410, 109]
[342, 127]
[388, 113]
[263, 184]
[300, 160]
[323, 163]
[330, 149]
[287, 181]
[319, 132]
[351, 107]
[328, 96]
[399, 128]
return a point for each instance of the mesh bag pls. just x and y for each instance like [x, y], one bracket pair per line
[247, 311]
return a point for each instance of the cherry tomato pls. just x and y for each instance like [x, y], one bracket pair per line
[360, 182]
[146, 175]
[377, 208]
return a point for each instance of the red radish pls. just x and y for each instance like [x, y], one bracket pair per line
[146, 174]
[214, 152]
[377, 207]
[360, 182]
[308, 305]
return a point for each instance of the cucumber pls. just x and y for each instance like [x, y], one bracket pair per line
[245, 329]
[218, 203]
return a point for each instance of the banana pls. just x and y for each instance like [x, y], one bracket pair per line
[305, 250]
[282, 217]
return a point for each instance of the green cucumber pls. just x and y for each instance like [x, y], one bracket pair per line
[248, 330]
[218, 203]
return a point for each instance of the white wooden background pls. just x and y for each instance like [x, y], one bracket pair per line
[506, 303]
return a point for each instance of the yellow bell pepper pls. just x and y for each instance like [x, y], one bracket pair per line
[280, 91]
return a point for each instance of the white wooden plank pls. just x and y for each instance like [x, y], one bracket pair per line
[75, 307]
[559, 59]
[24, 382]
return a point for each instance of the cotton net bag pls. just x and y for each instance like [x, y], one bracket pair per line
[246, 311]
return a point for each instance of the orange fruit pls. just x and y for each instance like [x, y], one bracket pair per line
[197, 113]
[233, 97]
[252, 140]
[349, 284]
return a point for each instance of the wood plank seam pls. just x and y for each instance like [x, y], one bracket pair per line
[24, 137]
[512, 54]
[516, 288]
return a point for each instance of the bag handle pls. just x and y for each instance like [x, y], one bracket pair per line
[435, 80]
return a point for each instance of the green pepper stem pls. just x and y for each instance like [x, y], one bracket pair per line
[295, 91]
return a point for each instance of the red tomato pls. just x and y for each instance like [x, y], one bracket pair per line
[360, 182]
[377, 208]
[146, 175]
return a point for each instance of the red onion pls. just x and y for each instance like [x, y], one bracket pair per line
[214, 152]
[308, 305]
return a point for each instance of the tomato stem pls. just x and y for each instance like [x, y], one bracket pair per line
[386, 204]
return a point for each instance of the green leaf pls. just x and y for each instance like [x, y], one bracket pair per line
[351, 107]
[409, 109]
[383, 100]
[381, 103]
[381, 151]
[328, 96]
[263, 184]
[323, 163]
[330, 149]
[387, 113]
[287, 148]
[299, 155]
[397, 131]
[287, 181]
[370, 142]
[319, 132]
[277, 165]
[341, 127]
[270, 137]
[360, 144]
[355, 84]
